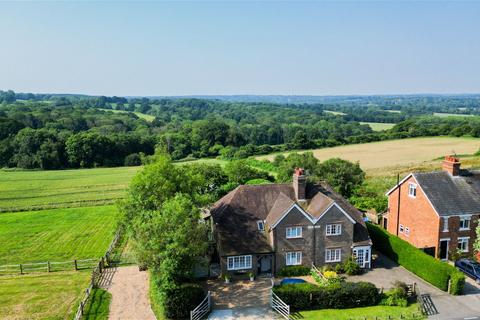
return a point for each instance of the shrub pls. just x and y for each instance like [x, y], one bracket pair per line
[294, 271]
[397, 296]
[351, 267]
[133, 159]
[180, 300]
[457, 282]
[339, 268]
[426, 267]
[342, 295]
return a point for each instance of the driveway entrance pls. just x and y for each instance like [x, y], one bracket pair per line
[449, 307]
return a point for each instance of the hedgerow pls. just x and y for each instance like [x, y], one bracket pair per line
[426, 267]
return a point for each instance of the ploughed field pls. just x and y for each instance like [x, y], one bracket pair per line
[33, 190]
[394, 153]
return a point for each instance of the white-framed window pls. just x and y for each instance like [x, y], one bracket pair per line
[293, 258]
[412, 190]
[261, 225]
[445, 224]
[333, 255]
[239, 262]
[294, 232]
[463, 244]
[334, 229]
[407, 231]
[465, 223]
[401, 228]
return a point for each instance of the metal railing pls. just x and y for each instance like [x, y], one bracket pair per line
[203, 308]
[279, 306]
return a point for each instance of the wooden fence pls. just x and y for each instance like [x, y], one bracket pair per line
[48, 266]
[97, 275]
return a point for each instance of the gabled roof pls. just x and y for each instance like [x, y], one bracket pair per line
[449, 195]
[237, 213]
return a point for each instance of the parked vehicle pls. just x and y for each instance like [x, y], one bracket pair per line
[470, 268]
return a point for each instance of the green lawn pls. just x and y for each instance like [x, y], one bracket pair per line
[337, 113]
[98, 305]
[367, 313]
[377, 126]
[56, 235]
[42, 296]
[33, 190]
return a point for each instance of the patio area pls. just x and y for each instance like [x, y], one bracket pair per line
[240, 293]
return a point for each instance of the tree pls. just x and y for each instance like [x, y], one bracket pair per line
[170, 239]
[288, 164]
[344, 176]
[239, 172]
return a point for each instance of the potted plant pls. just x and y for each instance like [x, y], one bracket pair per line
[227, 278]
[252, 276]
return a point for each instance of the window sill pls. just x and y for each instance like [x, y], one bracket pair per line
[294, 237]
[464, 229]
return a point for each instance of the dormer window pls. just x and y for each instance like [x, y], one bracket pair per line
[412, 190]
[261, 225]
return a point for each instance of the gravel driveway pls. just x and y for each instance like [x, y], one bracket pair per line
[129, 289]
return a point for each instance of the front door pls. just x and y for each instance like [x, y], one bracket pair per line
[265, 264]
[443, 254]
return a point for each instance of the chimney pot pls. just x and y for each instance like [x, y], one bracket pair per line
[451, 164]
[299, 184]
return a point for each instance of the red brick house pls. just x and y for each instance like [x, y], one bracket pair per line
[436, 211]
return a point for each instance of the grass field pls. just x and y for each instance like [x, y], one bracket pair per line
[438, 114]
[97, 305]
[56, 235]
[377, 126]
[337, 113]
[405, 152]
[31, 190]
[367, 313]
[143, 116]
[41, 296]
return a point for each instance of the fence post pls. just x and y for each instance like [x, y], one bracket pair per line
[21, 269]
[75, 264]
[48, 266]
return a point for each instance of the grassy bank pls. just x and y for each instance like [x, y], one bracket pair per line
[98, 305]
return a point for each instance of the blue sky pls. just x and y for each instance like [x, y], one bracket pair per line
[224, 47]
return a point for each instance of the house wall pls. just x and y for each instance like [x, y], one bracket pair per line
[343, 241]
[454, 233]
[415, 213]
[284, 245]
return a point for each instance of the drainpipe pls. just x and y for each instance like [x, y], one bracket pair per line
[398, 204]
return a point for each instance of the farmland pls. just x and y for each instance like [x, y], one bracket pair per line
[56, 235]
[377, 126]
[33, 190]
[41, 296]
[405, 152]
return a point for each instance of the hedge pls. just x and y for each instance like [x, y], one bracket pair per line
[180, 300]
[294, 271]
[434, 271]
[306, 296]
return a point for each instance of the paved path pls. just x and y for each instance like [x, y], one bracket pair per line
[129, 289]
[449, 307]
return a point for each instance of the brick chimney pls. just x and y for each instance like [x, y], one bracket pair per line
[451, 164]
[299, 183]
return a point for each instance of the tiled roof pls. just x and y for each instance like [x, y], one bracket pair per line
[451, 195]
